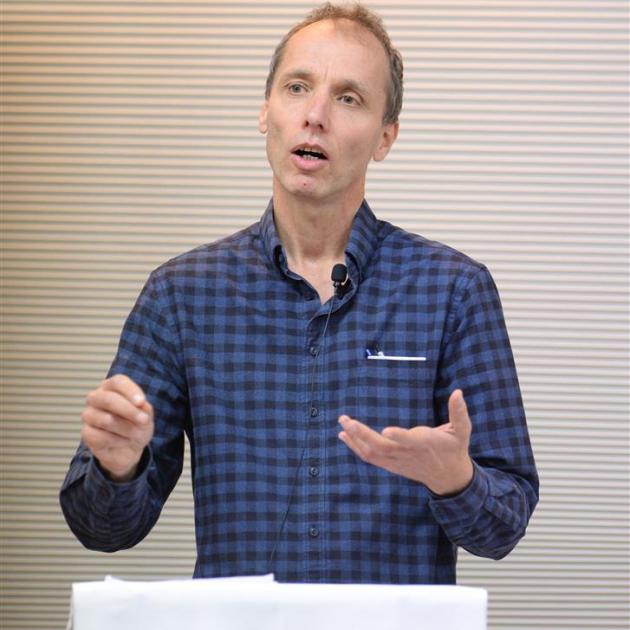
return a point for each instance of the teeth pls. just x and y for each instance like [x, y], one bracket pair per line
[309, 153]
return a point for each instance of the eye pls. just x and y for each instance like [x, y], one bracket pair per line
[295, 88]
[348, 99]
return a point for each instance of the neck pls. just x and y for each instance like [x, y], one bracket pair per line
[313, 232]
[314, 237]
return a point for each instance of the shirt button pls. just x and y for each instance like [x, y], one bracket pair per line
[313, 351]
[313, 532]
[313, 471]
[314, 412]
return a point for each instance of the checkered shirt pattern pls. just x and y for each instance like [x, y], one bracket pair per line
[228, 344]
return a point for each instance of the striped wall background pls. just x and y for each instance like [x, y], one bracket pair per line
[130, 135]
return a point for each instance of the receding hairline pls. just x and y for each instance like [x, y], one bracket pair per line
[356, 15]
[356, 29]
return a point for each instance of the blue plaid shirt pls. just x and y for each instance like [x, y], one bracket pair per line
[228, 344]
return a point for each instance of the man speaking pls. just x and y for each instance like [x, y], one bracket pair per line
[347, 388]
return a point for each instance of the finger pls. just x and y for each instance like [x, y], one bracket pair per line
[361, 449]
[348, 435]
[359, 431]
[114, 403]
[364, 441]
[358, 446]
[106, 421]
[458, 413]
[97, 439]
[125, 387]
[396, 434]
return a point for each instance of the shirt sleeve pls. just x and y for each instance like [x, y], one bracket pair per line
[491, 514]
[108, 516]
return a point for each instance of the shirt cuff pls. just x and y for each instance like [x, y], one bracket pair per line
[104, 490]
[457, 514]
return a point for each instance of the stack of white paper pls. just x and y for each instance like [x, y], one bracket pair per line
[261, 604]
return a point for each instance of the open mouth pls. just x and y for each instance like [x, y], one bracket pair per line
[310, 154]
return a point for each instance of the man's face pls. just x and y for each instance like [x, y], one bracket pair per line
[324, 114]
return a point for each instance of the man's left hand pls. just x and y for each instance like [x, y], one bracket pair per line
[434, 456]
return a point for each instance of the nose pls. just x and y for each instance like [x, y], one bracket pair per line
[317, 111]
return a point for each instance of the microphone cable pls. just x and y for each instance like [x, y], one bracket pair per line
[338, 276]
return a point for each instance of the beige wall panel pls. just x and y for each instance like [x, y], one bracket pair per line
[130, 135]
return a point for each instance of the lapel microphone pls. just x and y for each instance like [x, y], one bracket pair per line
[339, 277]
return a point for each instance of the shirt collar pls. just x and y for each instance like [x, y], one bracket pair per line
[363, 238]
[360, 247]
[271, 240]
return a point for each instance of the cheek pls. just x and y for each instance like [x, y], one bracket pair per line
[361, 154]
[276, 156]
[364, 144]
[272, 141]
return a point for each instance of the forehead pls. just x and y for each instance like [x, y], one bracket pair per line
[341, 46]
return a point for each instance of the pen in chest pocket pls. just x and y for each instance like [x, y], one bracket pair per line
[379, 355]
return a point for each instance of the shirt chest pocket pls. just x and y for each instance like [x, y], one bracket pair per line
[395, 392]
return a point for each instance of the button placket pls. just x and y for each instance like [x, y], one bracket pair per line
[311, 473]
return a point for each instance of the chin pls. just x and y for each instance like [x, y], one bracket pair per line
[304, 189]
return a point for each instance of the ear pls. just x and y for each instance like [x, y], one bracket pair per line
[262, 118]
[388, 136]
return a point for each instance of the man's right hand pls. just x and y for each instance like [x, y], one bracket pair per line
[117, 425]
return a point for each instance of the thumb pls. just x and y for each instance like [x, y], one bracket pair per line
[458, 413]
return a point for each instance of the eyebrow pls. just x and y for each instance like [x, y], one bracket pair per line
[343, 84]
